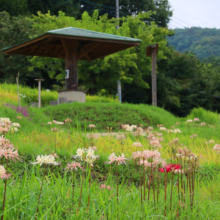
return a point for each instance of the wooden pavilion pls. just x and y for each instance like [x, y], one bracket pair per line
[73, 44]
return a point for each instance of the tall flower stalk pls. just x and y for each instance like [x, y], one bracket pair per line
[5, 176]
[73, 167]
[118, 160]
[46, 160]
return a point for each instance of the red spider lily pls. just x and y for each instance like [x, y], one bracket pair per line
[170, 167]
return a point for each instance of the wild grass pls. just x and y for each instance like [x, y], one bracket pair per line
[36, 138]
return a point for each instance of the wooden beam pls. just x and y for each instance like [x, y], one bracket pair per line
[25, 45]
[85, 50]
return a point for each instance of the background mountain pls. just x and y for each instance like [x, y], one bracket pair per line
[203, 42]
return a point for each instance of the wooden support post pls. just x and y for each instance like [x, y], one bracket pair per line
[39, 91]
[154, 77]
[70, 48]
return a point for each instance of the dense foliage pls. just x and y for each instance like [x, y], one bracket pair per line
[76, 8]
[204, 42]
[184, 81]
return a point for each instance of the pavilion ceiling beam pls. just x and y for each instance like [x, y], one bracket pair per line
[85, 50]
[53, 51]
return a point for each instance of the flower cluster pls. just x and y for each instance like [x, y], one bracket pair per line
[91, 126]
[155, 140]
[67, 120]
[193, 136]
[7, 150]
[7, 126]
[73, 166]
[210, 142]
[55, 122]
[47, 159]
[186, 154]
[173, 130]
[148, 158]
[3, 174]
[196, 119]
[103, 186]
[87, 155]
[128, 127]
[120, 137]
[171, 167]
[217, 148]
[119, 160]
[137, 144]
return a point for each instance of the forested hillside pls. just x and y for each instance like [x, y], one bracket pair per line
[204, 42]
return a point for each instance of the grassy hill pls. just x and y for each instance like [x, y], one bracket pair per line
[128, 180]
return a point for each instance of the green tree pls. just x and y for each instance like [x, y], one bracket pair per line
[14, 7]
[161, 8]
[70, 7]
[129, 65]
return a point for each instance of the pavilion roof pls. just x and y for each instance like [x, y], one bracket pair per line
[91, 44]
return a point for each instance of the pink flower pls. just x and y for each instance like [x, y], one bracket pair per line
[3, 174]
[155, 143]
[150, 136]
[193, 136]
[112, 158]
[120, 137]
[136, 155]
[73, 166]
[189, 120]
[103, 186]
[139, 129]
[93, 148]
[9, 154]
[203, 124]
[121, 159]
[150, 128]
[54, 121]
[49, 123]
[137, 144]
[196, 119]
[144, 162]
[91, 126]
[67, 120]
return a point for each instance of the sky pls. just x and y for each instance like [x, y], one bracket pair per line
[195, 13]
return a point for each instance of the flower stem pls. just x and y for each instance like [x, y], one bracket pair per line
[89, 186]
[4, 198]
[165, 192]
[40, 191]
[140, 183]
[73, 187]
[80, 197]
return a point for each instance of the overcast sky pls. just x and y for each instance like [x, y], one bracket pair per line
[195, 13]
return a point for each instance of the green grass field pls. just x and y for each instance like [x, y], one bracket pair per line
[136, 192]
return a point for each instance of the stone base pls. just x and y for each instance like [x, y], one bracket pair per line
[72, 95]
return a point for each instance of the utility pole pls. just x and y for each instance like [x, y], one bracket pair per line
[154, 77]
[117, 27]
[117, 11]
[152, 51]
